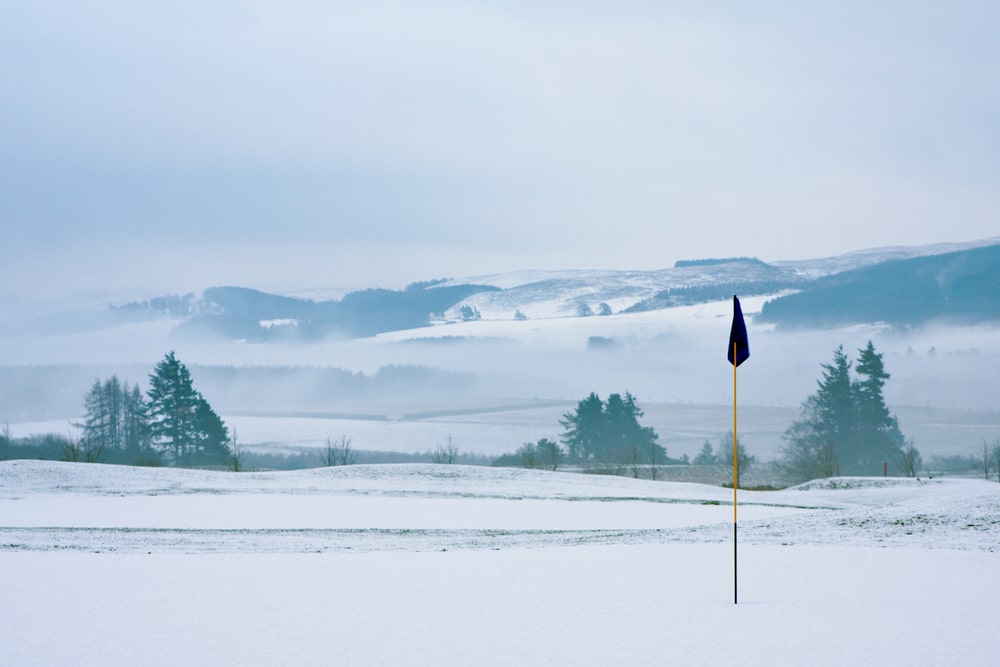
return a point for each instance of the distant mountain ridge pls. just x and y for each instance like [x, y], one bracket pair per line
[896, 285]
[537, 294]
[960, 287]
[242, 313]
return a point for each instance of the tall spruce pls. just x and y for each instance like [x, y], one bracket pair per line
[878, 436]
[211, 436]
[181, 420]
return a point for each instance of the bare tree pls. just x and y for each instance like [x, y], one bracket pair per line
[909, 459]
[985, 459]
[77, 451]
[528, 455]
[339, 452]
[995, 456]
[237, 455]
[446, 453]
[652, 462]
[633, 453]
[550, 454]
[725, 455]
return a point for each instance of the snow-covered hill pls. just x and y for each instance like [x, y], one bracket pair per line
[79, 505]
[542, 294]
[435, 565]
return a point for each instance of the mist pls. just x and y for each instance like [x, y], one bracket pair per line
[421, 386]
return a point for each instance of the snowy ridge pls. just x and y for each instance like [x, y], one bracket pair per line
[545, 294]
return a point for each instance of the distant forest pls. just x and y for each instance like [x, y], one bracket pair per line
[960, 287]
[685, 263]
[686, 296]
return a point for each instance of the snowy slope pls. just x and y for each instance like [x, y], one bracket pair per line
[449, 565]
[543, 294]
[61, 505]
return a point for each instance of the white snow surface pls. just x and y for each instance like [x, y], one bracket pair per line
[456, 565]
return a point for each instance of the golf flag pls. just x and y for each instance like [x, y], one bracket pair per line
[738, 342]
[739, 351]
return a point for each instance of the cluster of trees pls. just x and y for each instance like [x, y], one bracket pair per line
[845, 428]
[116, 426]
[545, 454]
[584, 310]
[600, 432]
[599, 436]
[172, 423]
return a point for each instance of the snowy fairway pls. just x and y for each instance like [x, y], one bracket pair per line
[432, 565]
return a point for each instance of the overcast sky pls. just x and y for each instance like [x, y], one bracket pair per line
[164, 147]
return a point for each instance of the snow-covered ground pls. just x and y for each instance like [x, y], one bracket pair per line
[455, 565]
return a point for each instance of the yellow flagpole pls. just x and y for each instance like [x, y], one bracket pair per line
[736, 475]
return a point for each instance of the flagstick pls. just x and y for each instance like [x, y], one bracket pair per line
[736, 476]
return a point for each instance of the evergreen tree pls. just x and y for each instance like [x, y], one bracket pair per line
[211, 436]
[627, 435]
[706, 456]
[835, 417]
[172, 404]
[878, 435]
[584, 428]
[181, 420]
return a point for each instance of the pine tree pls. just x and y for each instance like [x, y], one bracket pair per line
[584, 428]
[835, 416]
[878, 437]
[181, 420]
[211, 444]
[172, 402]
[706, 455]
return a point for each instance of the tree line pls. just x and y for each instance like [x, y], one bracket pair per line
[844, 428]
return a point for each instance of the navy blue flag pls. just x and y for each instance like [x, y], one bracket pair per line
[738, 335]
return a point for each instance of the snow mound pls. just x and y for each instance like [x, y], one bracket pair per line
[853, 483]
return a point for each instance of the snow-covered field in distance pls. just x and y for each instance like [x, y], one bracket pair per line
[431, 565]
[492, 428]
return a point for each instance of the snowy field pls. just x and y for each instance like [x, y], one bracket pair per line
[492, 428]
[455, 565]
